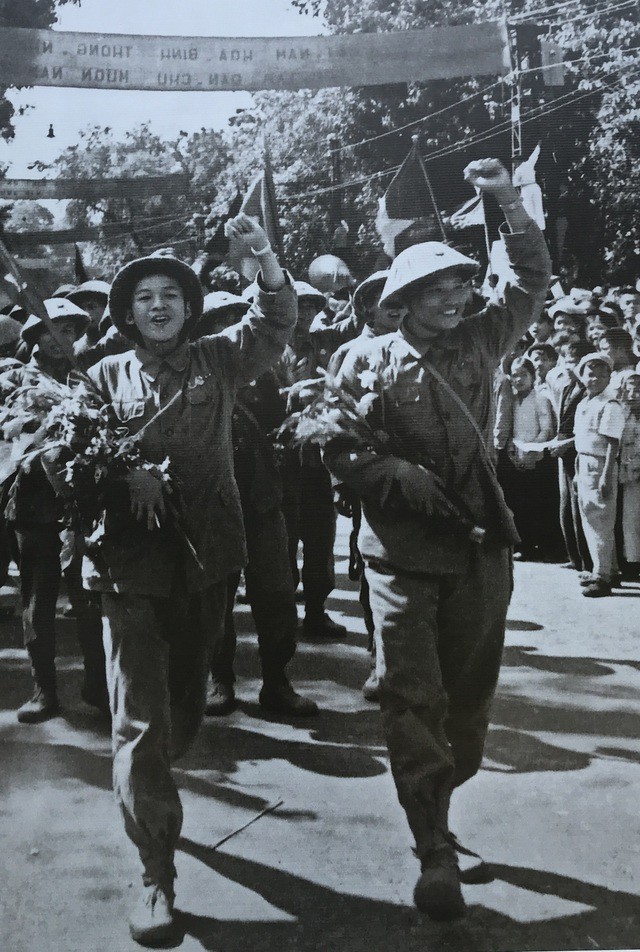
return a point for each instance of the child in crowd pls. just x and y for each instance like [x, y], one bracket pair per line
[542, 329]
[544, 358]
[524, 416]
[630, 472]
[618, 344]
[599, 425]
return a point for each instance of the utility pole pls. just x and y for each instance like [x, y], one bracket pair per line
[515, 96]
[333, 144]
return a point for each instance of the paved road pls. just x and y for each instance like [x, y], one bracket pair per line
[555, 807]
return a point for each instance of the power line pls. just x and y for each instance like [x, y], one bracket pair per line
[541, 11]
[554, 107]
[478, 138]
[597, 13]
[333, 188]
[544, 109]
[590, 9]
[414, 122]
[569, 63]
[627, 4]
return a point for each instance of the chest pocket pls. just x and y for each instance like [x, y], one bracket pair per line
[465, 373]
[200, 391]
[128, 410]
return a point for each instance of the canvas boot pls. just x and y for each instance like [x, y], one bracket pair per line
[221, 698]
[279, 697]
[41, 707]
[151, 922]
[319, 624]
[437, 892]
[371, 688]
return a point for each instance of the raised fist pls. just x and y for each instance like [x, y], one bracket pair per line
[247, 232]
[488, 175]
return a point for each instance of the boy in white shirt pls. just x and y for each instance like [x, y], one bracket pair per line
[599, 424]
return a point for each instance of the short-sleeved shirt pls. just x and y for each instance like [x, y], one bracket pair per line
[598, 418]
[630, 450]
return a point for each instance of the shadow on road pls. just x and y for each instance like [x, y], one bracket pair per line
[327, 919]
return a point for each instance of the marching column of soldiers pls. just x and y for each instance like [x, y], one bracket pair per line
[485, 392]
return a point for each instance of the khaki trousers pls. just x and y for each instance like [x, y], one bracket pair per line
[157, 655]
[598, 515]
[439, 641]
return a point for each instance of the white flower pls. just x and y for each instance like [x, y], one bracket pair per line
[365, 403]
[368, 379]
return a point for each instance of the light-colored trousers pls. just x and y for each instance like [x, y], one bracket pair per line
[598, 515]
[157, 656]
[631, 521]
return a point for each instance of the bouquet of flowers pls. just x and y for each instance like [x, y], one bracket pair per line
[76, 437]
[330, 411]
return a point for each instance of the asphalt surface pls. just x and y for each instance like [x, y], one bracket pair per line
[554, 809]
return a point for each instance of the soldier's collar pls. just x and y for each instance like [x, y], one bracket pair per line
[178, 359]
[421, 348]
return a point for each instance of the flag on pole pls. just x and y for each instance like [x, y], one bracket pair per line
[260, 203]
[217, 245]
[409, 200]
[469, 215]
[80, 270]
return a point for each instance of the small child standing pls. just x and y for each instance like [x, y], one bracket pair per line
[598, 428]
[629, 477]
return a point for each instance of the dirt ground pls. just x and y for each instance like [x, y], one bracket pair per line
[555, 807]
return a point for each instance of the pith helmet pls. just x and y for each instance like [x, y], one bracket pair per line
[157, 263]
[329, 273]
[217, 301]
[9, 330]
[63, 290]
[221, 309]
[97, 288]
[58, 309]
[375, 282]
[306, 292]
[419, 262]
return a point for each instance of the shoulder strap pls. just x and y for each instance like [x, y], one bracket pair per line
[437, 376]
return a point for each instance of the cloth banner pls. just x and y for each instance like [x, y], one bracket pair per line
[115, 61]
[93, 190]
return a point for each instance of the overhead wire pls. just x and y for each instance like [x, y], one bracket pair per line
[414, 122]
[476, 139]
[596, 13]
[542, 11]
[528, 116]
[589, 9]
[309, 167]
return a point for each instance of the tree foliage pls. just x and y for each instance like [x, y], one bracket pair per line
[152, 221]
[588, 130]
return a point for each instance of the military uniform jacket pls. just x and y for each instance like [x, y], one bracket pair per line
[195, 433]
[424, 419]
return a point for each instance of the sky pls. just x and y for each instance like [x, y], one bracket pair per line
[71, 110]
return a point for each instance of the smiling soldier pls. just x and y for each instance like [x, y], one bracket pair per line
[439, 599]
[163, 600]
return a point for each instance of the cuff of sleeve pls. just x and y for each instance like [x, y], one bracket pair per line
[288, 281]
[514, 237]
